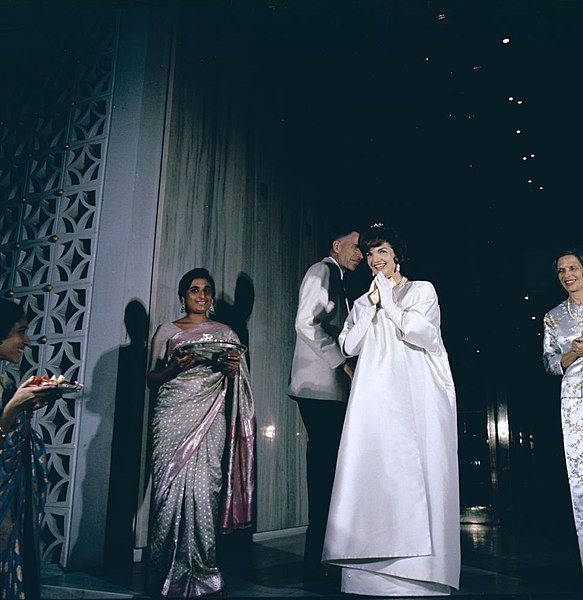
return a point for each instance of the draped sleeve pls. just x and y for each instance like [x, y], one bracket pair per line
[417, 316]
[313, 307]
[551, 348]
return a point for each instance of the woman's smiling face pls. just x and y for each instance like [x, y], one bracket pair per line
[570, 273]
[198, 297]
[382, 259]
[13, 346]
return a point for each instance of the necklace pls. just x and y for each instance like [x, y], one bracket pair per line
[396, 283]
[574, 314]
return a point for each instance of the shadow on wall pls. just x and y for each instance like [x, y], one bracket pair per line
[131, 368]
[237, 315]
[127, 438]
[124, 415]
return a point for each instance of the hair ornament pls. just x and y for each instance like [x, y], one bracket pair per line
[377, 225]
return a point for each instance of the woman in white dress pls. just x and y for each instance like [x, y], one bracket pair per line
[393, 525]
[562, 355]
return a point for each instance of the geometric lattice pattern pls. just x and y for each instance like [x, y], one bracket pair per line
[53, 139]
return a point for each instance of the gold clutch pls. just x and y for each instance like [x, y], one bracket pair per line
[374, 297]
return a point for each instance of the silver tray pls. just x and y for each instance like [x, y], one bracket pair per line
[210, 350]
[66, 388]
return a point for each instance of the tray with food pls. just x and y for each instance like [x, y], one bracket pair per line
[59, 383]
[212, 349]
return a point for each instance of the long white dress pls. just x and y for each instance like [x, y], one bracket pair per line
[394, 517]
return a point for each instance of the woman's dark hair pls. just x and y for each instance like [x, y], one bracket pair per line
[377, 234]
[10, 312]
[198, 273]
[576, 252]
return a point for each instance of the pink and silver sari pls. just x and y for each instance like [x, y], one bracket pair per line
[202, 468]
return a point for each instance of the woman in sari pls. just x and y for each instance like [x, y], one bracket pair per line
[203, 436]
[23, 471]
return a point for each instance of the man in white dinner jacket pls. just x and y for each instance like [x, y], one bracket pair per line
[320, 380]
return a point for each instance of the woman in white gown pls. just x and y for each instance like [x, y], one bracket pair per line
[393, 525]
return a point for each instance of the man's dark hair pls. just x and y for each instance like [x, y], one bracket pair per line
[342, 231]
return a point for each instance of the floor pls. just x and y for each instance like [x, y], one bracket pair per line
[497, 564]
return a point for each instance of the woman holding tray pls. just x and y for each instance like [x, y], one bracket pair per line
[202, 466]
[23, 469]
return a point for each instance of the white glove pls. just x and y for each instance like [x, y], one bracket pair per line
[352, 334]
[385, 286]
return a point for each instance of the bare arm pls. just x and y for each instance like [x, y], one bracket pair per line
[26, 398]
[163, 374]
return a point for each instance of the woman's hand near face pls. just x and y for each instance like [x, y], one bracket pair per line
[385, 288]
[348, 369]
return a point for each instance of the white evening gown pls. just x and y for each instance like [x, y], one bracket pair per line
[393, 525]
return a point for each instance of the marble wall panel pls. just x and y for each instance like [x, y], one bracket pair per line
[234, 201]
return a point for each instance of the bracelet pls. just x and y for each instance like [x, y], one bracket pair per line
[3, 434]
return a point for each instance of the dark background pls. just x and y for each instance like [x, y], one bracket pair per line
[398, 111]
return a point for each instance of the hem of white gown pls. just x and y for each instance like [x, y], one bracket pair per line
[371, 583]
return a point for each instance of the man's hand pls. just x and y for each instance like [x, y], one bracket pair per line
[347, 368]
